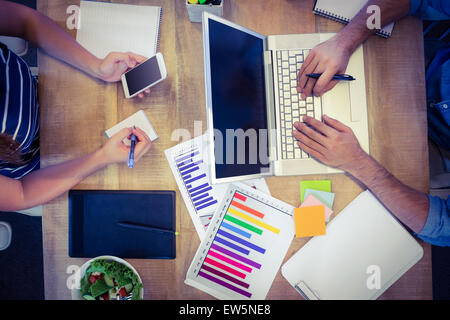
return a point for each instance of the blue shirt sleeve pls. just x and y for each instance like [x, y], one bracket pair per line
[430, 9]
[437, 227]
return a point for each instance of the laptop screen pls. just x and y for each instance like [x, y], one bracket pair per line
[238, 101]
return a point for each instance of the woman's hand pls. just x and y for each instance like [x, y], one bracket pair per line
[115, 151]
[111, 68]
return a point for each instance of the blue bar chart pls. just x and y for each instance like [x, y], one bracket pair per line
[191, 172]
[195, 179]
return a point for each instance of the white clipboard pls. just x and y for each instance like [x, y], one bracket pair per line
[365, 250]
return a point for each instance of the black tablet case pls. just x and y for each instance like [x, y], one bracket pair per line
[93, 228]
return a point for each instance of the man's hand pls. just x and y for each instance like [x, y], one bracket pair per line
[329, 58]
[331, 142]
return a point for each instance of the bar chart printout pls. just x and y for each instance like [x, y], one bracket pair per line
[188, 162]
[244, 246]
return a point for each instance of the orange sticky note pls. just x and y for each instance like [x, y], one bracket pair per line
[309, 221]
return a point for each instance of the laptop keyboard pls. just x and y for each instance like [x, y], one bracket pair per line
[292, 106]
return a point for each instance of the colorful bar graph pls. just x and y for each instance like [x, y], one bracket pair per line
[235, 256]
[235, 229]
[247, 209]
[231, 245]
[224, 284]
[225, 268]
[241, 241]
[253, 220]
[249, 233]
[225, 276]
[240, 197]
[228, 260]
[243, 224]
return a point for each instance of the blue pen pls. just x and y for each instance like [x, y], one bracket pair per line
[345, 77]
[131, 153]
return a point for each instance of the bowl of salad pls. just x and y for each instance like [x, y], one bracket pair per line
[108, 278]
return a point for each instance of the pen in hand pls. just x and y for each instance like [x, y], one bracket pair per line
[131, 153]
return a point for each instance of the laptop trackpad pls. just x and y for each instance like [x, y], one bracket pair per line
[337, 103]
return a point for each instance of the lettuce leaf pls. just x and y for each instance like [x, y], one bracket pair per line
[98, 288]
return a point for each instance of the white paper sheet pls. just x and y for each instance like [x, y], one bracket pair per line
[140, 120]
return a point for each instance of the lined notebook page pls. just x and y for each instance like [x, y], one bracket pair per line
[344, 10]
[107, 27]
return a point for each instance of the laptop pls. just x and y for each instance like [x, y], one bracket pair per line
[252, 101]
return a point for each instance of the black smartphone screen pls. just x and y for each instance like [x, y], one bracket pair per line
[143, 75]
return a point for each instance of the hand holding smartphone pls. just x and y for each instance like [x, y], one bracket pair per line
[145, 75]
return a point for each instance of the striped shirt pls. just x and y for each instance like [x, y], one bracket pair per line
[19, 111]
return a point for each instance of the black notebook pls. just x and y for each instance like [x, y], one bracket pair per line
[95, 229]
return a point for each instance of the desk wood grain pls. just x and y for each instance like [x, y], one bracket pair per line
[77, 109]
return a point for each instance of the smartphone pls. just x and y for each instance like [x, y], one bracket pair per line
[147, 74]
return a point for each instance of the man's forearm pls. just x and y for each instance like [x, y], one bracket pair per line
[408, 205]
[356, 31]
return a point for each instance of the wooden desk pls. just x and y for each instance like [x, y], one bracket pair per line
[76, 109]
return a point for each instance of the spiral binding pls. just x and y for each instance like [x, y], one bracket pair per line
[158, 33]
[344, 20]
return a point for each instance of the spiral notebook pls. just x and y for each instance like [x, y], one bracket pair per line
[108, 27]
[344, 10]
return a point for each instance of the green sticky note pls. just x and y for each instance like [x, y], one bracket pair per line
[321, 185]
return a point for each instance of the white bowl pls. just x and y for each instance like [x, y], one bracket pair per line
[76, 294]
